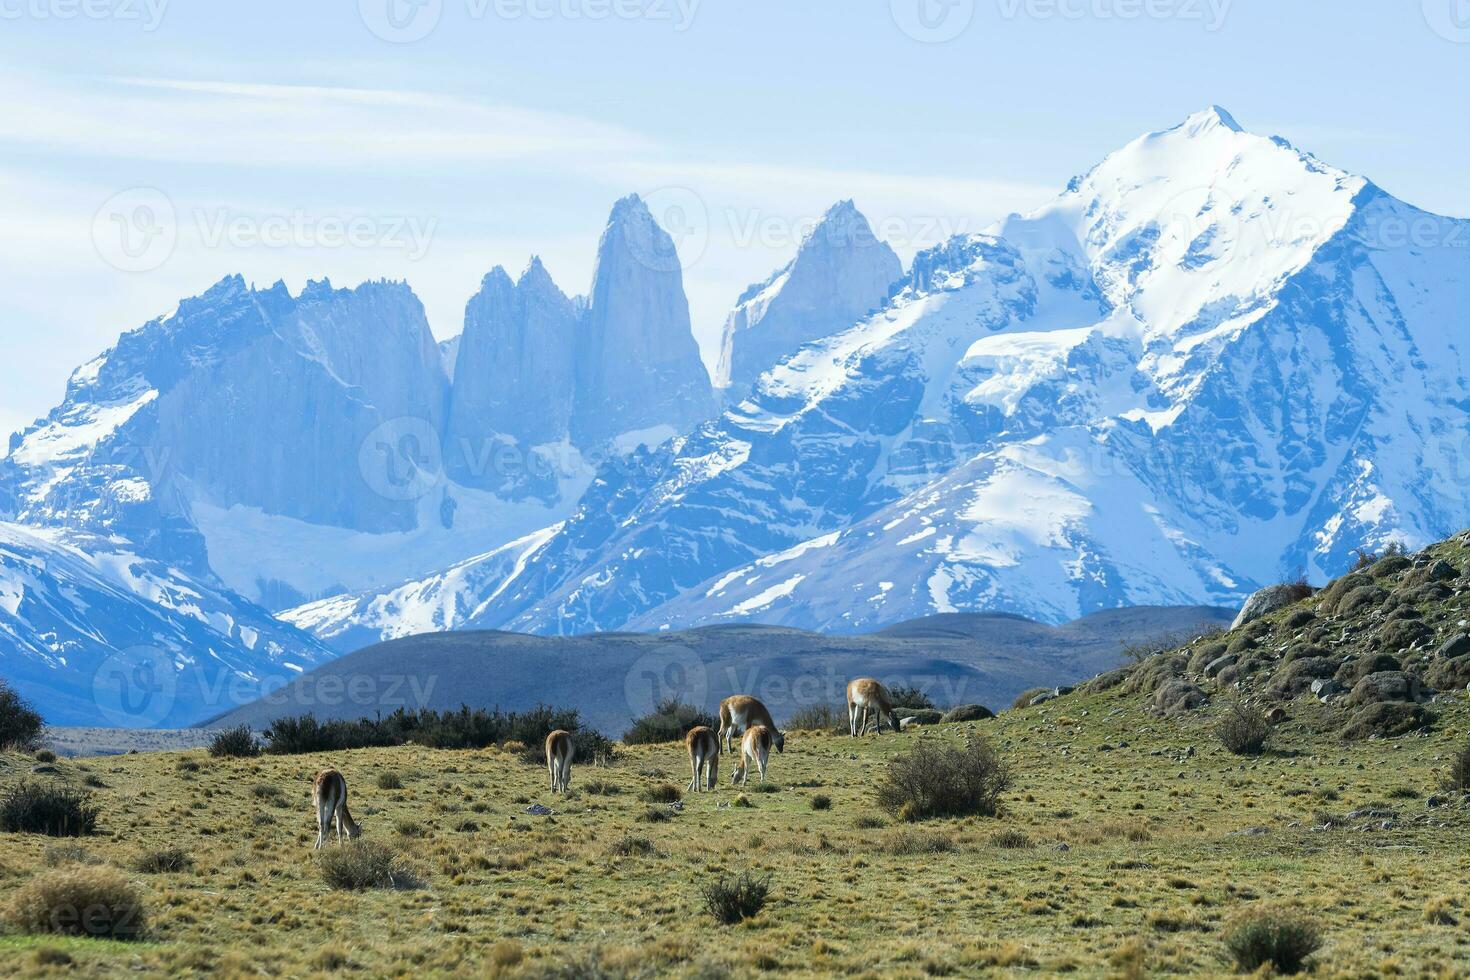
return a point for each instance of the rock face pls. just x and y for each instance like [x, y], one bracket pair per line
[638, 366]
[1266, 601]
[840, 275]
[514, 380]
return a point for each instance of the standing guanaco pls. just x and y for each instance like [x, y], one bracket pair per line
[754, 746]
[704, 757]
[329, 794]
[740, 712]
[559, 760]
[867, 693]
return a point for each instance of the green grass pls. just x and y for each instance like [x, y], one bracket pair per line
[1158, 859]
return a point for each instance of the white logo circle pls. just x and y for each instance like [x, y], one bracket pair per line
[136, 230]
[1450, 19]
[136, 687]
[933, 21]
[675, 674]
[402, 459]
[401, 21]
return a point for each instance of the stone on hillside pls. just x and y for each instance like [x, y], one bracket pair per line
[1386, 685]
[967, 712]
[1268, 600]
[1218, 664]
[1178, 695]
[1456, 646]
[1386, 720]
[1298, 675]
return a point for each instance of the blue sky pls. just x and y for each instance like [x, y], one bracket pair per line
[437, 138]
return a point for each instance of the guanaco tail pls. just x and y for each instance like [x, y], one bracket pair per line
[329, 793]
[865, 693]
[740, 713]
[559, 760]
[755, 747]
[704, 757]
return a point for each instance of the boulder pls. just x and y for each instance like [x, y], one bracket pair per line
[1448, 675]
[1299, 674]
[1386, 685]
[1386, 720]
[1456, 646]
[967, 712]
[1325, 687]
[1218, 664]
[1178, 695]
[1265, 601]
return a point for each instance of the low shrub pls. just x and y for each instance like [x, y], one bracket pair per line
[60, 855]
[389, 780]
[1387, 719]
[167, 861]
[866, 821]
[1457, 779]
[943, 781]
[670, 721]
[467, 728]
[904, 696]
[821, 802]
[1284, 940]
[234, 743]
[1012, 839]
[967, 712]
[658, 815]
[57, 811]
[732, 900]
[818, 718]
[908, 841]
[1023, 700]
[1243, 730]
[97, 902]
[20, 724]
[601, 787]
[364, 864]
[44, 755]
[632, 845]
[662, 793]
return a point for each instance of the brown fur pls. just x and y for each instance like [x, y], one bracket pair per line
[329, 795]
[741, 712]
[559, 760]
[704, 757]
[867, 693]
[755, 747]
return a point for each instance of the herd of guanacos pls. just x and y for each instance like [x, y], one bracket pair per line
[740, 713]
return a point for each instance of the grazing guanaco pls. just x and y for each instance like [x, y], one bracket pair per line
[559, 760]
[704, 757]
[756, 746]
[867, 693]
[741, 712]
[329, 793]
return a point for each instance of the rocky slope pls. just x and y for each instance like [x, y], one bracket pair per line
[1212, 361]
[841, 273]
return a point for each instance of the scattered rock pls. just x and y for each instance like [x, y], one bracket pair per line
[1268, 600]
[967, 712]
[537, 810]
[1218, 664]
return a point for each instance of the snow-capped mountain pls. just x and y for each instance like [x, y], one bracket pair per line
[95, 635]
[841, 273]
[1212, 361]
[303, 446]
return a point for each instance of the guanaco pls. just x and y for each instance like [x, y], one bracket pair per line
[741, 712]
[865, 693]
[329, 793]
[754, 746]
[704, 757]
[559, 760]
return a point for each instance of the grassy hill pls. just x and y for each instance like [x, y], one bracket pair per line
[612, 678]
[1128, 842]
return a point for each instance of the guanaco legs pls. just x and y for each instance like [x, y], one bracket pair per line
[704, 757]
[865, 693]
[740, 713]
[329, 793]
[559, 760]
[755, 747]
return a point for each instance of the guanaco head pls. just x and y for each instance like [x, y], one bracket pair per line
[779, 740]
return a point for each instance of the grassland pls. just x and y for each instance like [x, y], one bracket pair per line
[1163, 844]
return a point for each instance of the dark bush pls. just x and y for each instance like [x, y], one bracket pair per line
[662, 793]
[943, 781]
[389, 780]
[1359, 667]
[1282, 939]
[467, 728]
[1448, 675]
[732, 900]
[20, 724]
[632, 845]
[1386, 719]
[818, 718]
[904, 696]
[670, 722]
[96, 902]
[1457, 780]
[234, 743]
[1243, 730]
[167, 861]
[56, 811]
[364, 864]
[44, 755]
[821, 801]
